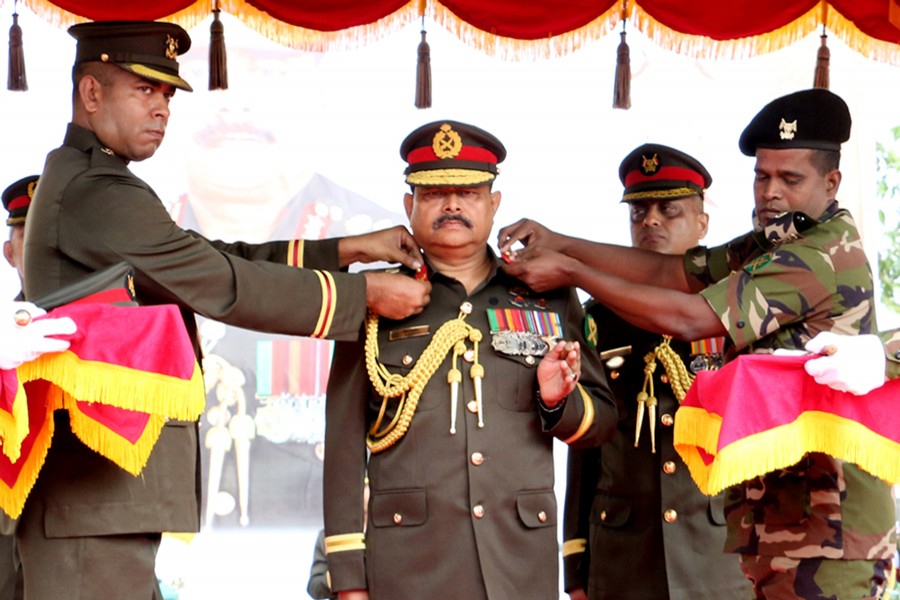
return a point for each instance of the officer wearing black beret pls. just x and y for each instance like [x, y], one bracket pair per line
[821, 527]
[89, 529]
[452, 412]
[815, 119]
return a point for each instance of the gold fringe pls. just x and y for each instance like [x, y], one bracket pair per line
[310, 40]
[12, 499]
[780, 447]
[513, 49]
[14, 426]
[190, 17]
[874, 49]
[698, 46]
[102, 440]
[119, 386]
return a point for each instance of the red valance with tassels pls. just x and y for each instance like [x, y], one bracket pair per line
[513, 29]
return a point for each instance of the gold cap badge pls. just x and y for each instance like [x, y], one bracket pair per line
[649, 165]
[446, 143]
[171, 48]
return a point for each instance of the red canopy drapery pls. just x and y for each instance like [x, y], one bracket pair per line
[512, 29]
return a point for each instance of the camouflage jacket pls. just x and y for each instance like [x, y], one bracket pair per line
[777, 289]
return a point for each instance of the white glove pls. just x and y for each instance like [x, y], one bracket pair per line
[856, 365]
[22, 343]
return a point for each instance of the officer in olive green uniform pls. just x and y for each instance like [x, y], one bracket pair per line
[16, 200]
[636, 526]
[459, 428]
[89, 529]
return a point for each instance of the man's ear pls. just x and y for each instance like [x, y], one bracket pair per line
[91, 93]
[832, 183]
[408, 205]
[495, 201]
[8, 253]
[704, 225]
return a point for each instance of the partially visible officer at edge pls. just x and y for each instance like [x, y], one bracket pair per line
[89, 529]
[822, 527]
[631, 505]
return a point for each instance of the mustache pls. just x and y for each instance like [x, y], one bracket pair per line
[445, 218]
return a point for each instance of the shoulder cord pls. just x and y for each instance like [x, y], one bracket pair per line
[679, 378]
[408, 388]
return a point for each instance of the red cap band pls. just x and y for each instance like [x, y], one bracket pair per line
[665, 174]
[474, 153]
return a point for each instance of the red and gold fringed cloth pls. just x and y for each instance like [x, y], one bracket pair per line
[127, 370]
[761, 413]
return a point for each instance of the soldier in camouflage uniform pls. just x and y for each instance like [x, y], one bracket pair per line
[821, 528]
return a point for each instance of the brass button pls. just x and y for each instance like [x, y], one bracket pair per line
[614, 375]
[529, 360]
[407, 360]
[477, 458]
[603, 515]
[472, 406]
[104, 57]
[469, 355]
[398, 518]
[664, 378]
[465, 308]
[478, 511]
[667, 420]
[669, 467]
[670, 516]
[542, 516]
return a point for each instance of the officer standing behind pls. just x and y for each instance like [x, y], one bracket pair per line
[821, 528]
[636, 526]
[16, 200]
[89, 529]
[458, 406]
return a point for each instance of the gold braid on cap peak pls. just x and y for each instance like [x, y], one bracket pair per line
[679, 379]
[408, 388]
[682, 192]
[450, 177]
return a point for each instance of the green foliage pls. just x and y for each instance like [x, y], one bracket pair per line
[888, 192]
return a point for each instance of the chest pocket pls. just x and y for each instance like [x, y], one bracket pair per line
[509, 381]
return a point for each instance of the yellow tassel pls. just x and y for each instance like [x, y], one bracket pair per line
[218, 61]
[823, 57]
[622, 92]
[16, 80]
[423, 75]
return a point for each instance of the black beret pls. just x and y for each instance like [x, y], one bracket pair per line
[450, 153]
[816, 118]
[145, 48]
[657, 172]
[17, 198]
